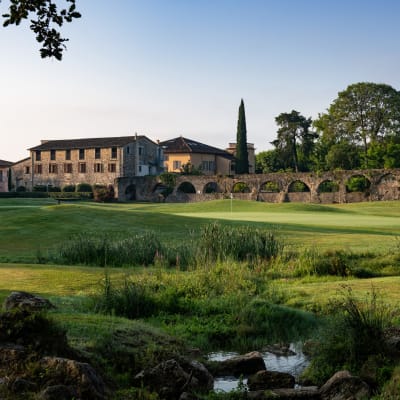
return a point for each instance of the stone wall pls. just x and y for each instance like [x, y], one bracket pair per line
[384, 185]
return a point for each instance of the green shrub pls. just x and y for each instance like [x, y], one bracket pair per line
[328, 187]
[220, 242]
[54, 189]
[270, 187]
[84, 187]
[129, 300]
[103, 193]
[358, 184]
[353, 333]
[69, 188]
[40, 188]
[240, 187]
[89, 249]
[298, 186]
[21, 189]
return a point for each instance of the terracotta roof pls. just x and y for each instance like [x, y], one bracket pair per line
[87, 143]
[4, 163]
[184, 145]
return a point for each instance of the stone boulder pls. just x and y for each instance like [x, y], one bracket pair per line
[199, 371]
[263, 380]
[245, 364]
[76, 375]
[280, 349]
[168, 379]
[24, 301]
[344, 386]
[58, 392]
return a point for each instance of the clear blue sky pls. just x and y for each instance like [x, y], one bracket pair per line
[165, 68]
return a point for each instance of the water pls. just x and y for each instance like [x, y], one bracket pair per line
[292, 364]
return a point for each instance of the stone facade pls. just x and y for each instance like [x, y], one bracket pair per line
[101, 161]
[251, 153]
[384, 185]
[4, 171]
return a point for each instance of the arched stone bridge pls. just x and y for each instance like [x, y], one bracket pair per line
[324, 187]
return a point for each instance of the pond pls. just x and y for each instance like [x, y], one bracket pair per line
[294, 364]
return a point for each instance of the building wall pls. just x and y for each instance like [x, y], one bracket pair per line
[4, 179]
[209, 164]
[21, 174]
[250, 152]
[61, 171]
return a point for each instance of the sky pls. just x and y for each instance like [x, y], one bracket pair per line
[166, 68]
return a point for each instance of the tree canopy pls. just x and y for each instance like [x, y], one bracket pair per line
[45, 20]
[362, 115]
[295, 141]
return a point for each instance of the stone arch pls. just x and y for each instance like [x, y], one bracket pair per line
[387, 187]
[130, 192]
[298, 186]
[270, 187]
[186, 187]
[357, 183]
[328, 186]
[211, 187]
[241, 187]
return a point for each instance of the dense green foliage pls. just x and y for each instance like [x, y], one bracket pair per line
[242, 157]
[360, 130]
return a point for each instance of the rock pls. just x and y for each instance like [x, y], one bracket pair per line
[200, 372]
[304, 393]
[81, 376]
[26, 302]
[11, 355]
[246, 364]
[168, 379]
[280, 349]
[58, 392]
[21, 385]
[263, 380]
[344, 386]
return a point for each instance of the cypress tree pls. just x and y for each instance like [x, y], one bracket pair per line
[242, 158]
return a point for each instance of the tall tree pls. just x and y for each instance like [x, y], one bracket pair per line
[295, 141]
[363, 114]
[242, 157]
[45, 23]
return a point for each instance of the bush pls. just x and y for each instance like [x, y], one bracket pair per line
[353, 333]
[21, 189]
[84, 187]
[69, 188]
[103, 194]
[89, 249]
[358, 184]
[40, 188]
[130, 300]
[54, 189]
[241, 243]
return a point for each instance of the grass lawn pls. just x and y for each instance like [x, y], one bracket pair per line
[31, 226]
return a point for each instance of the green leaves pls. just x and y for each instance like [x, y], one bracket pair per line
[45, 20]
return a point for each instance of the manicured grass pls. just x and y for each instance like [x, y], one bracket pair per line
[30, 227]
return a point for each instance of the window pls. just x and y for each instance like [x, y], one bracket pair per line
[128, 149]
[97, 153]
[52, 168]
[177, 164]
[81, 154]
[68, 168]
[98, 167]
[1, 176]
[166, 157]
[140, 168]
[67, 154]
[140, 151]
[207, 165]
[27, 170]
[82, 168]
[112, 167]
[38, 155]
[113, 152]
[52, 155]
[38, 168]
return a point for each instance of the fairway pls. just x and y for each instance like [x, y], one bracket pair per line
[31, 226]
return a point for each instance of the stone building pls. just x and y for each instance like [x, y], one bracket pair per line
[4, 171]
[101, 161]
[180, 152]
